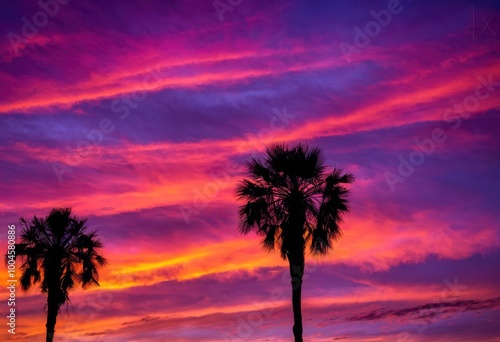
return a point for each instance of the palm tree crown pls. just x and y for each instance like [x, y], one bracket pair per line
[291, 200]
[58, 253]
[58, 249]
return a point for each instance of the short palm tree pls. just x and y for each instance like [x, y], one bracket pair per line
[58, 253]
[293, 202]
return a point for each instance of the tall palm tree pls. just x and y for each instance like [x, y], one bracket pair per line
[293, 202]
[58, 253]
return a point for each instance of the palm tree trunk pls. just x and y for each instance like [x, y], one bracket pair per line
[52, 310]
[297, 266]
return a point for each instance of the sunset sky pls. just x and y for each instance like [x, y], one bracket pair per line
[140, 116]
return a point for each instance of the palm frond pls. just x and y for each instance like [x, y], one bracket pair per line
[253, 214]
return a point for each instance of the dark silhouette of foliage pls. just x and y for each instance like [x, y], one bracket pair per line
[57, 253]
[292, 201]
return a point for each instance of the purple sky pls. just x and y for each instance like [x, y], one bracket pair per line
[140, 116]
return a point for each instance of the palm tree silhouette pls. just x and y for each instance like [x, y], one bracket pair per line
[292, 201]
[58, 253]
